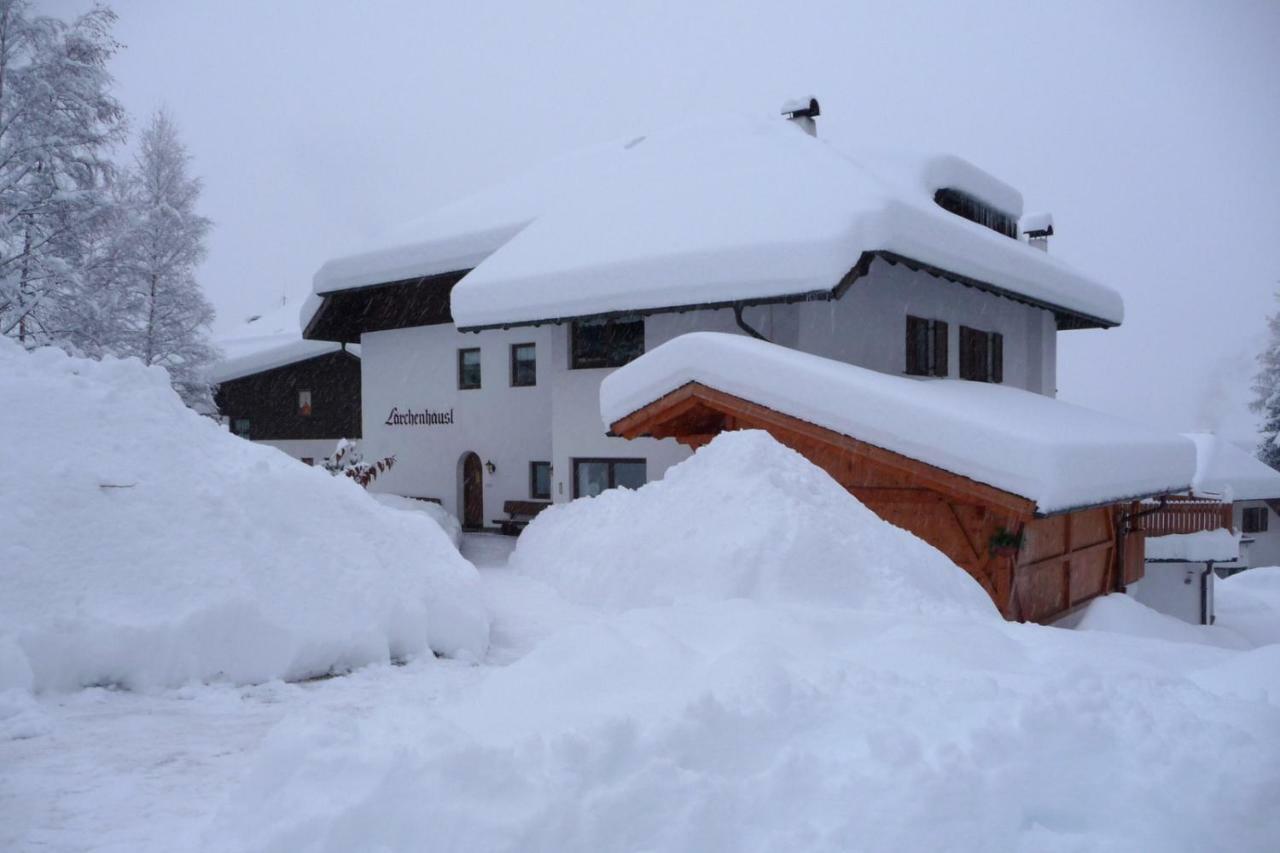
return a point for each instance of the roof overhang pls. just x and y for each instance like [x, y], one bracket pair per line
[344, 315]
[1065, 318]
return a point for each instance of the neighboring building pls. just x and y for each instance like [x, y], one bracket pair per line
[487, 327]
[1226, 473]
[277, 389]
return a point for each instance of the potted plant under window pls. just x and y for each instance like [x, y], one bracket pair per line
[1005, 544]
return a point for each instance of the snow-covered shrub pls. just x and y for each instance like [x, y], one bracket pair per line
[744, 517]
[348, 461]
[141, 544]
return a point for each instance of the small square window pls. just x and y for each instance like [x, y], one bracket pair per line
[240, 426]
[1254, 520]
[540, 481]
[308, 460]
[469, 368]
[524, 365]
[304, 403]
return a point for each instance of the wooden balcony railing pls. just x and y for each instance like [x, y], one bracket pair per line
[1186, 515]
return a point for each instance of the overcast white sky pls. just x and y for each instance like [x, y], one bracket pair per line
[1150, 130]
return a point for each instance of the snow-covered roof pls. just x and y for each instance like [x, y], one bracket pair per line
[1219, 546]
[1224, 470]
[1058, 455]
[267, 341]
[721, 209]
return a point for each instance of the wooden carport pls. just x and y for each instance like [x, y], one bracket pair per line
[1059, 562]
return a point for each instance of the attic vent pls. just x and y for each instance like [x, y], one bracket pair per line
[963, 204]
[803, 111]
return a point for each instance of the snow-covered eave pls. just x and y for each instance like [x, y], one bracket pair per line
[1037, 511]
[1066, 318]
[275, 358]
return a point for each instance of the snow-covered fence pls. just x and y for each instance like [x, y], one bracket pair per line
[1187, 515]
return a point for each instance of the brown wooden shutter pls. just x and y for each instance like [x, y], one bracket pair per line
[917, 346]
[968, 353]
[939, 348]
[997, 357]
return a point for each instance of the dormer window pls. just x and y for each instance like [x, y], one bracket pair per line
[975, 210]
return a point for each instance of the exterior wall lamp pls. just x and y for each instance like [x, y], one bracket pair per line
[490, 467]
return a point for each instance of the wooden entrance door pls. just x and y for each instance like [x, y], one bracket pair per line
[472, 492]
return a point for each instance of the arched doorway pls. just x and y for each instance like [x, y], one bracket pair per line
[471, 491]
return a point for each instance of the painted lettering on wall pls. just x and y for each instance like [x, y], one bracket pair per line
[426, 417]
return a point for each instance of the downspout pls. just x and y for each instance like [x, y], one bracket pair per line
[742, 324]
[1204, 593]
[1126, 527]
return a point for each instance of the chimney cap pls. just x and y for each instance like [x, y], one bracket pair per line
[806, 107]
[1037, 225]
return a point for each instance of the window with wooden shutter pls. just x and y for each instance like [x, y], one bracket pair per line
[917, 346]
[981, 355]
[939, 362]
[926, 347]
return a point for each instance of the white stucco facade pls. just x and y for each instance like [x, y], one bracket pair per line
[415, 370]
[1178, 589]
[1258, 548]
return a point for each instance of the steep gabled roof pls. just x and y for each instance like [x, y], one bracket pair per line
[1052, 453]
[723, 210]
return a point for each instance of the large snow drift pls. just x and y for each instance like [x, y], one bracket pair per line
[143, 545]
[1059, 455]
[744, 517]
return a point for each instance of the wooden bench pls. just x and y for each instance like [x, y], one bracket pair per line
[519, 513]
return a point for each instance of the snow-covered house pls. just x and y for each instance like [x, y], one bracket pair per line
[488, 326]
[275, 388]
[1226, 473]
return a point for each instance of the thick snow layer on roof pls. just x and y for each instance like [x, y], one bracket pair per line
[1058, 455]
[1224, 470]
[459, 235]
[723, 208]
[730, 209]
[1220, 546]
[267, 341]
[143, 545]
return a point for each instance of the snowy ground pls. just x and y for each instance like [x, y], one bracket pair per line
[115, 770]
[123, 771]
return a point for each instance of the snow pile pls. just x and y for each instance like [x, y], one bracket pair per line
[1220, 546]
[738, 726]
[1249, 603]
[744, 517]
[1121, 614]
[142, 545]
[1059, 455]
[434, 511]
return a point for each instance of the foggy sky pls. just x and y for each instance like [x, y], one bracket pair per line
[1150, 130]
